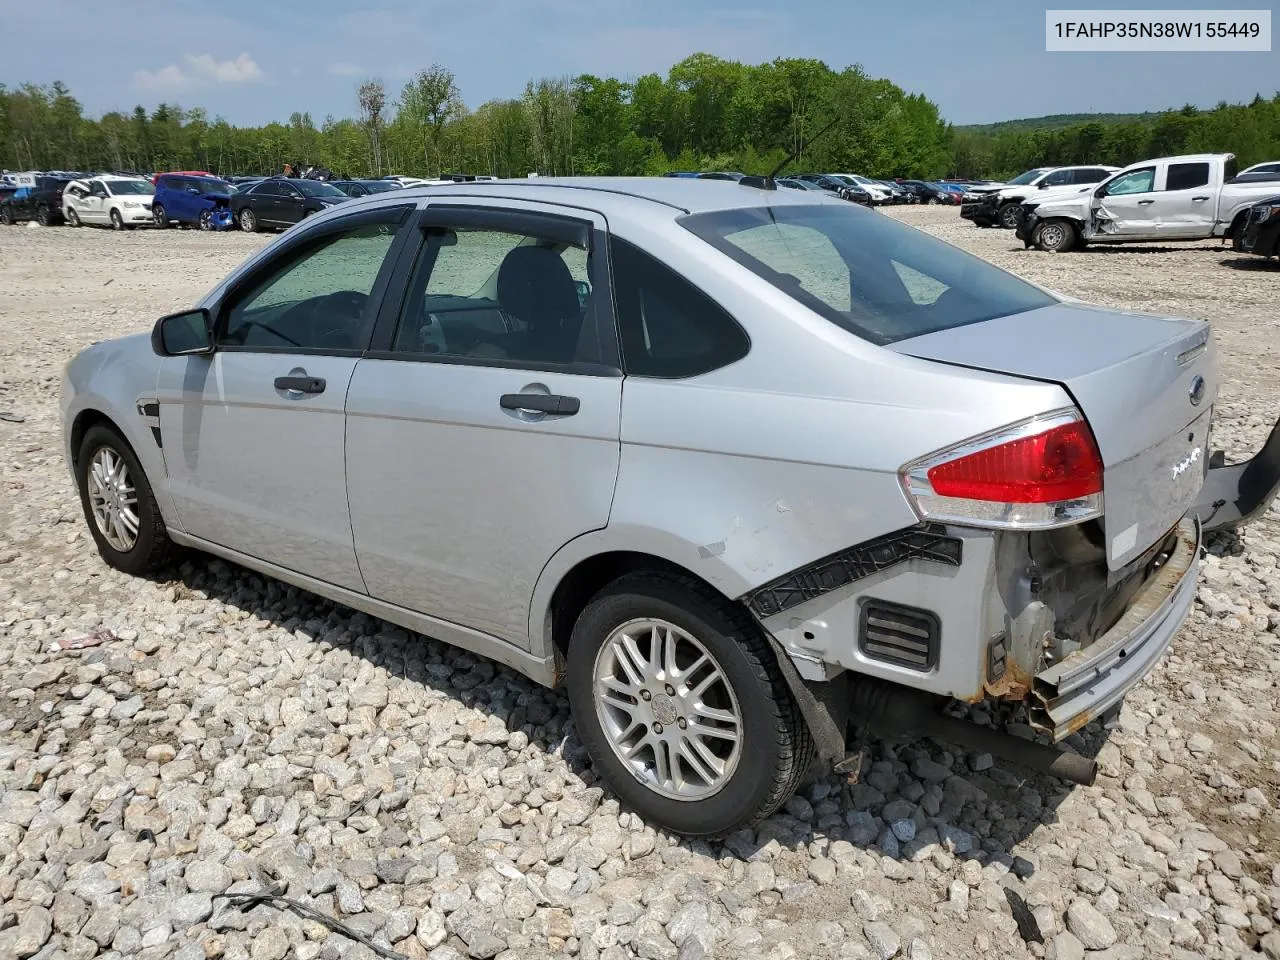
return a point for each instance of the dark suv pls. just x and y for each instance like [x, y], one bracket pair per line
[42, 203]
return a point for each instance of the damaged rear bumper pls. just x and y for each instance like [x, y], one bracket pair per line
[1238, 493]
[1084, 685]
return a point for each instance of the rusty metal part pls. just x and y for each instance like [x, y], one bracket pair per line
[1088, 682]
[900, 711]
[1014, 684]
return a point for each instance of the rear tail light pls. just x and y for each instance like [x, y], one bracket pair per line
[1041, 473]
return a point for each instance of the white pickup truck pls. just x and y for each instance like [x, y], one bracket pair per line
[1172, 198]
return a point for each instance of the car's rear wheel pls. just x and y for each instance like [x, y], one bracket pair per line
[206, 219]
[1056, 236]
[682, 708]
[43, 217]
[119, 504]
[1010, 214]
[248, 222]
[117, 221]
[6, 216]
[73, 218]
[160, 216]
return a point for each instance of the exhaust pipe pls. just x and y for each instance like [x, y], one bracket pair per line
[901, 712]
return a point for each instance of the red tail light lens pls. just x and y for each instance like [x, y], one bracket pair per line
[1061, 463]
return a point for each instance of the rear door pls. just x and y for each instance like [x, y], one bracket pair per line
[1129, 205]
[483, 426]
[1187, 207]
[254, 435]
[93, 209]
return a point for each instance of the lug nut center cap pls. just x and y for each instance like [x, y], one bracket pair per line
[664, 710]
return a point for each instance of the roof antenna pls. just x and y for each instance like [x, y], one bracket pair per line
[767, 181]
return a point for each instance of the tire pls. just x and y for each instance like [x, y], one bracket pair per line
[150, 548]
[206, 219]
[6, 216]
[117, 221]
[43, 216]
[160, 216]
[72, 218]
[742, 681]
[248, 221]
[1056, 236]
[1009, 214]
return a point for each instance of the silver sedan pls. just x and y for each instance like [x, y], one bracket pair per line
[731, 463]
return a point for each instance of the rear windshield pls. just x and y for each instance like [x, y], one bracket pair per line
[865, 272]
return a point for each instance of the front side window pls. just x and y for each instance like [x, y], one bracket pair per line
[869, 274]
[319, 298]
[1186, 176]
[668, 327]
[487, 294]
[1135, 181]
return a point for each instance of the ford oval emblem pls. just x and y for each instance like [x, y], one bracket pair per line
[1197, 390]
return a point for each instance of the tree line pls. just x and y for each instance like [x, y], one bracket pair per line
[706, 113]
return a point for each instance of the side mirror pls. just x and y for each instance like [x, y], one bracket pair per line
[183, 334]
[1042, 185]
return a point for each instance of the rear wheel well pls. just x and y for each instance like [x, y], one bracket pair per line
[588, 578]
[81, 425]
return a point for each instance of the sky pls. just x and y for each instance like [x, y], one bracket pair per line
[252, 61]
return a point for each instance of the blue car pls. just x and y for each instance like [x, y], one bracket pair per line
[203, 202]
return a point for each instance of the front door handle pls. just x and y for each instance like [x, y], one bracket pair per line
[1199, 199]
[301, 384]
[1143, 203]
[540, 403]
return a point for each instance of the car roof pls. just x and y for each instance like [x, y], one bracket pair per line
[672, 194]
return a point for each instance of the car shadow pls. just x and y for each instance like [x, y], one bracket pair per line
[961, 807]
[1249, 262]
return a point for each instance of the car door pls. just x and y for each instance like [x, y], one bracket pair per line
[1128, 205]
[253, 434]
[289, 204]
[1186, 207]
[94, 206]
[483, 424]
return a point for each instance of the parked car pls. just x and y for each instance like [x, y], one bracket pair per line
[878, 193]
[922, 191]
[181, 173]
[41, 202]
[1271, 166]
[190, 200]
[842, 188]
[721, 175]
[1259, 234]
[681, 553]
[118, 202]
[1166, 199]
[948, 193]
[281, 202]
[362, 188]
[681, 173]
[897, 193]
[1002, 205]
[794, 183]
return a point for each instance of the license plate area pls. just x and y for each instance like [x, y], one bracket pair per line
[1147, 494]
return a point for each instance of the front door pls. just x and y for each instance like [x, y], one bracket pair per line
[1129, 206]
[288, 205]
[483, 427]
[253, 435]
[93, 208]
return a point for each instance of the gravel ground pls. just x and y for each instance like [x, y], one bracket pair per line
[237, 732]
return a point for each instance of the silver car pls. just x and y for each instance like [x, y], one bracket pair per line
[733, 464]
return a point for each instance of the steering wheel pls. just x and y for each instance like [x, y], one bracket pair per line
[335, 319]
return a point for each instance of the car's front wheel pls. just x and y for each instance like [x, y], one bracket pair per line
[682, 708]
[1056, 236]
[119, 504]
[1010, 214]
[6, 216]
[117, 221]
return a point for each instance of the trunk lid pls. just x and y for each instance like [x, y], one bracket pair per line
[1145, 383]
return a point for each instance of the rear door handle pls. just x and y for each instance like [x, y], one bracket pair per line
[1143, 203]
[1199, 199]
[301, 384]
[540, 403]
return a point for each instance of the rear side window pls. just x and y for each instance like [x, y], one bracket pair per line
[1059, 178]
[867, 273]
[668, 327]
[1186, 176]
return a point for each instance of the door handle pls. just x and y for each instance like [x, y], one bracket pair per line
[1143, 203]
[301, 384]
[540, 403]
[1198, 199]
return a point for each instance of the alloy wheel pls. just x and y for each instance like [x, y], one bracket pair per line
[667, 709]
[113, 499]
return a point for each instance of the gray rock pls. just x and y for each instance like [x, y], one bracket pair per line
[687, 921]
[206, 876]
[191, 908]
[1067, 946]
[35, 927]
[349, 898]
[904, 830]
[271, 944]
[431, 930]
[883, 940]
[1093, 929]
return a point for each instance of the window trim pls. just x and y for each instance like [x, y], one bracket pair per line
[293, 248]
[565, 228]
